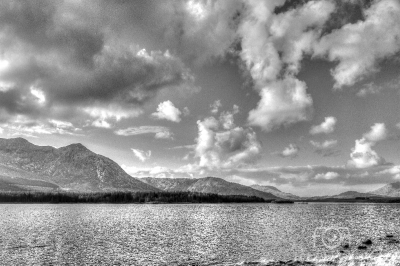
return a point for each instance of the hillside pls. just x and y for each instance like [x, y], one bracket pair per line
[73, 167]
[206, 185]
[389, 190]
[275, 191]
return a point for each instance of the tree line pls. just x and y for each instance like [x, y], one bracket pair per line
[124, 197]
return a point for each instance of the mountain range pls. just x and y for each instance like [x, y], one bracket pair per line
[206, 185]
[71, 168]
[28, 167]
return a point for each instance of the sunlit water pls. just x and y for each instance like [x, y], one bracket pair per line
[189, 234]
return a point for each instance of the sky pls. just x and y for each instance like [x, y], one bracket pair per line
[301, 95]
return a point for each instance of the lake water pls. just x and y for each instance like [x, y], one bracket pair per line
[190, 234]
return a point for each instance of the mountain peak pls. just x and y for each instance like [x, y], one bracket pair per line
[75, 147]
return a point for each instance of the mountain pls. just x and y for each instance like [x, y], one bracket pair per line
[275, 191]
[206, 185]
[353, 194]
[73, 167]
[346, 195]
[389, 190]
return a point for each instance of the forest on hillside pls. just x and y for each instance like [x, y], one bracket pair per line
[123, 197]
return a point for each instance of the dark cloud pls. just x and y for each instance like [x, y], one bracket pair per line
[73, 54]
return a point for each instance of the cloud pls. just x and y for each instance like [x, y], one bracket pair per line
[360, 46]
[362, 155]
[141, 155]
[282, 102]
[20, 125]
[328, 126]
[325, 148]
[377, 133]
[272, 49]
[61, 58]
[394, 171]
[291, 151]
[369, 89]
[220, 147]
[158, 131]
[166, 110]
[215, 106]
[328, 175]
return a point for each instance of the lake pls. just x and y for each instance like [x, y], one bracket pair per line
[192, 234]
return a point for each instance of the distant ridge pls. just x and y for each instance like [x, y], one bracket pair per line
[206, 185]
[73, 167]
[389, 190]
[274, 191]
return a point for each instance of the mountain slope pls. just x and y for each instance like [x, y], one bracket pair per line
[275, 191]
[389, 190]
[73, 167]
[206, 185]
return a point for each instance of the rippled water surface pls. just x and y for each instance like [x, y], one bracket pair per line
[201, 234]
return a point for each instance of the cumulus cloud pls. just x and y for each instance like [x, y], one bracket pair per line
[166, 110]
[290, 151]
[282, 102]
[141, 155]
[158, 131]
[362, 155]
[360, 46]
[377, 133]
[328, 126]
[219, 146]
[273, 46]
[325, 148]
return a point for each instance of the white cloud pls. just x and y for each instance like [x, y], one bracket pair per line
[273, 46]
[39, 94]
[282, 102]
[393, 171]
[21, 125]
[141, 155]
[218, 148]
[1, 130]
[164, 135]
[398, 125]
[358, 47]
[101, 123]
[290, 152]
[377, 133]
[328, 126]
[158, 131]
[363, 156]
[328, 175]
[215, 106]
[166, 110]
[104, 114]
